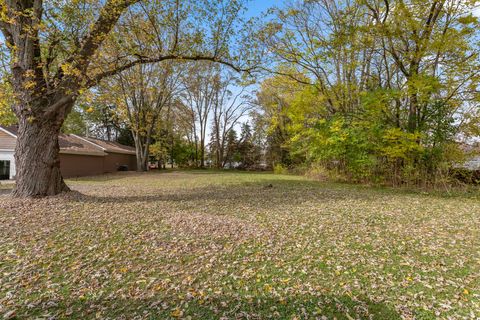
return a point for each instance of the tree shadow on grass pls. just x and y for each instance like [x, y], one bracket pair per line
[119, 175]
[221, 307]
[107, 177]
[4, 192]
[256, 193]
[269, 189]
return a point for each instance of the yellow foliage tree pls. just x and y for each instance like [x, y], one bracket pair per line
[7, 117]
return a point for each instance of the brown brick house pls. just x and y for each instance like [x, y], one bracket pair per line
[79, 156]
[117, 155]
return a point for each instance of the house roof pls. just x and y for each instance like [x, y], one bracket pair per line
[11, 130]
[110, 146]
[73, 144]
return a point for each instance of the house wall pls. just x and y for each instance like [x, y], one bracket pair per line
[73, 165]
[114, 160]
[473, 164]
[7, 141]
[9, 156]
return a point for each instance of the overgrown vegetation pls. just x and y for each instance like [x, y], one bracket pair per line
[373, 91]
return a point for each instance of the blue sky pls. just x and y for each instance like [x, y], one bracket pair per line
[256, 7]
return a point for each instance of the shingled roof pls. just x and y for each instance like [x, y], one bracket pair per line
[110, 146]
[12, 129]
[73, 144]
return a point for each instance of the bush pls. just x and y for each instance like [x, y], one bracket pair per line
[318, 172]
[466, 176]
[280, 169]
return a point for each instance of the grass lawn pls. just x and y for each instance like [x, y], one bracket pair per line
[210, 245]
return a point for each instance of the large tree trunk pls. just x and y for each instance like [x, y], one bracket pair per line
[142, 164]
[141, 153]
[142, 157]
[412, 113]
[37, 159]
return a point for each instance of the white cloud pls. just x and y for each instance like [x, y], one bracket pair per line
[476, 11]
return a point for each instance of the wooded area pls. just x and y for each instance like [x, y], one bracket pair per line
[376, 91]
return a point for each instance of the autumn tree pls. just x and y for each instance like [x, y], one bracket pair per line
[145, 90]
[175, 135]
[384, 87]
[232, 101]
[95, 114]
[201, 85]
[275, 98]
[57, 50]
[7, 117]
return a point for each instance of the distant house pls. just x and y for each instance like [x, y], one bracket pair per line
[472, 152]
[473, 163]
[79, 156]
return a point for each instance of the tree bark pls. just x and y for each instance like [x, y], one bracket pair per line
[142, 165]
[412, 113]
[202, 154]
[142, 153]
[37, 159]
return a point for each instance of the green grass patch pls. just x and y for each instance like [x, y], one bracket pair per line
[202, 244]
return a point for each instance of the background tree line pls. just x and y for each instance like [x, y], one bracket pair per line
[180, 114]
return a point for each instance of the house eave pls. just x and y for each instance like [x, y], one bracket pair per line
[82, 153]
[132, 153]
[8, 132]
[90, 142]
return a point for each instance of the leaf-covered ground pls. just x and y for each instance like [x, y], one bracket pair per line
[205, 245]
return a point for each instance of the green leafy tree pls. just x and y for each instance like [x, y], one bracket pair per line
[380, 90]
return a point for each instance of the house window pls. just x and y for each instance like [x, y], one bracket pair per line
[4, 170]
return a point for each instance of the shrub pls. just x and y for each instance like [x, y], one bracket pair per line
[280, 169]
